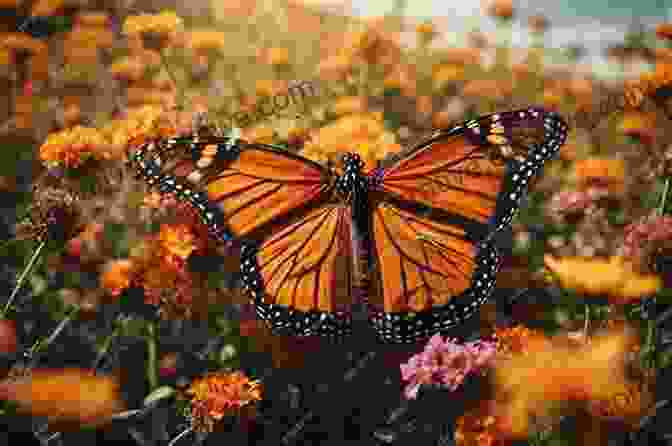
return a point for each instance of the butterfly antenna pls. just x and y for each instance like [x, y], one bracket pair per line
[24, 274]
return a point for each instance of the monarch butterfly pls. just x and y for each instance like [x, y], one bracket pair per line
[411, 238]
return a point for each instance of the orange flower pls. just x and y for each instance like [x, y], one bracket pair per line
[488, 88]
[128, 68]
[93, 18]
[531, 384]
[481, 426]
[461, 56]
[519, 340]
[277, 56]
[639, 125]
[615, 277]
[664, 31]
[446, 73]
[348, 105]
[178, 240]
[66, 395]
[602, 172]
[335, 67]
[259, 134]
[205, 40]
[218, 394]
[22, 42]
[116, 276]
[69, 146]
[502, 9]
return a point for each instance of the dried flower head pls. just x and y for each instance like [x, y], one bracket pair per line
[54, 214]
[445, 363]
[219, 394]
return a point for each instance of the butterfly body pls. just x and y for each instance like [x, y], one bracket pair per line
[410, 239]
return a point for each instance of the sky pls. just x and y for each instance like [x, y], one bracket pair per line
[593, 23]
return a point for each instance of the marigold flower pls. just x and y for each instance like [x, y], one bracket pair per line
[626, 401]
[530, 384]
[446, 73]
[502, 9]
[178, 240]
[601, 172]
[639, 125]
[335, 67]
[277, 56]
[481, 426]
[445, 363]
[69, 146]
[22, 42]
[218, 394]
[426, 32]
[128, 68]
[615, 277]
[664, 31]
[116, 276]
[157, 30]
[519, 340]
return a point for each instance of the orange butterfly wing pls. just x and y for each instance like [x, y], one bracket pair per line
[300, 275]
[252, 188]
[462, 171]
[431, 276]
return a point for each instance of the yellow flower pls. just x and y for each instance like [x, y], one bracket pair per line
[218, 394]
[278, 56]
[178, 240]
[552, 98]
[615, 277]
[204, 40]
[156, 30]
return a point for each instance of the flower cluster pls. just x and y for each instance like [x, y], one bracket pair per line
[446, 363]
[219, 394]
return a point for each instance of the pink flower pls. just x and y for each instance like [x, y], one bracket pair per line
[445, 363]
[649, 229]
[575, 201]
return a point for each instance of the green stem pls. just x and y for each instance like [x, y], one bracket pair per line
[22, 277]
[663, 198]
[152, 362]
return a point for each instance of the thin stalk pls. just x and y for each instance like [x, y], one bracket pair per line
[22, 277]
[152, 363]
[182, 434]
[663, 199]
[40, 346]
